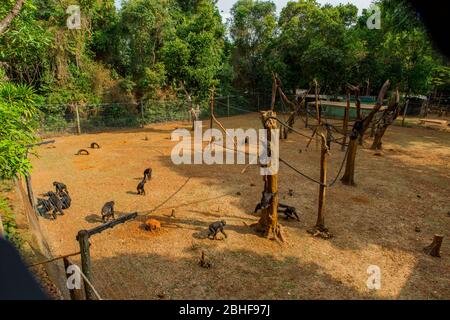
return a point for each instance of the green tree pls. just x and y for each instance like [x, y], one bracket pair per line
[18, 119]
[252, 28]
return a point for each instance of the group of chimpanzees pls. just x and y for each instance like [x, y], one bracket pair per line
[288, 211]
[56, 202]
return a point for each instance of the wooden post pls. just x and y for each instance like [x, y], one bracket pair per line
[319, 229]
[320, 224]
[75, 294]
[306, 109]
[349, 174]
[228, 106]
[211, 120]
[435, 247]
[346, 118]
[318, 113]
[83, 240]
[77, 119]
[404, 112]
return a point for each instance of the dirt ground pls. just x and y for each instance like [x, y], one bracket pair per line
[373, 223]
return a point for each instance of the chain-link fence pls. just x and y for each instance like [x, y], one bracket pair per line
[72, 118]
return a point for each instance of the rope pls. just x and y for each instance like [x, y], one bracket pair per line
[287, 126]
[54, 259]
[167, 200]
[87, 281]
[301, 173]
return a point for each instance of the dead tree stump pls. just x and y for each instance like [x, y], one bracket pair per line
[435, 247]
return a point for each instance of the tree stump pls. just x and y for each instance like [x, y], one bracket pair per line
[203, 263]
[435, 247]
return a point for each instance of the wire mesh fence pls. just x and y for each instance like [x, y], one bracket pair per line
[72, 118]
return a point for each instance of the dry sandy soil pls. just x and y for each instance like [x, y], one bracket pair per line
[373, 223]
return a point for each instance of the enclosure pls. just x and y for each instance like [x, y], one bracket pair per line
[375, 223]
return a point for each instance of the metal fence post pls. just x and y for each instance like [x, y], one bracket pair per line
[77, 119]
[404, 112]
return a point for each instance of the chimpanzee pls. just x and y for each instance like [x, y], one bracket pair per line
[95, 145]
[46, 206]
[140, 187]
[148, 173]
[108, 211]
[289, 211]
[265, 201]
[65, 200]
[357, 129]
[55, 201]
[215, 227]
[60, 187]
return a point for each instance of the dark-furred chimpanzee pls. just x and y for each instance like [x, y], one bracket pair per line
[46, 206]
[140, 187]
[55, 201]
[215, 227]
[65, 200]
[108, 211]
[265, 201]
[60, 187]
[289, 212]
[148, 173]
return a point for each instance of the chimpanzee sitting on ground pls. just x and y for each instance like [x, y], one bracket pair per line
[55, 201]
[60, 187]
[108, 211]
[45, 206]
[215, 227]
[65, 200]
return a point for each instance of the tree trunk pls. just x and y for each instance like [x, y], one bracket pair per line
[349, 175]
[268, 223]
[435, 247]
[320, 224]
[388, 117]
[319, 229]
[377, 144]
[5, 22]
